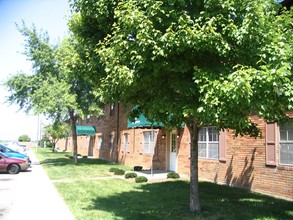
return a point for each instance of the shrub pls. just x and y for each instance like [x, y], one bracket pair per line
[130, 175]
[141, 179]
[137, 168]
[173, 175]
[49, 144]
[68, 156]
[119, 172]
[112, 169]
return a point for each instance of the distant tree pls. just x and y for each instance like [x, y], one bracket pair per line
[55, 132]
[24, 138]
[59, 86]
[214, 62]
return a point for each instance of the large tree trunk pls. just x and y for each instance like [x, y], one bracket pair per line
[194, 204]
[54, 142]
[53, 146]
[74, 136]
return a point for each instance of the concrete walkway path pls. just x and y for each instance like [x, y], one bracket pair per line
[35, 197]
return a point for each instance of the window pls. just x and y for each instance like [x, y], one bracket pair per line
[111, 141]
[100, 142]
[208, 143]
[149, 141]
[173, 143]
[88, 118]
[286, 143]
[126, 142]
[112, 110]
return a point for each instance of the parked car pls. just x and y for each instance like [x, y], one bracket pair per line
[18, 147]
[23, 148]
[12, 165]
[12, 153]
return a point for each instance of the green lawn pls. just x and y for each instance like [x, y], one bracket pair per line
[59, 167]
[90, 199]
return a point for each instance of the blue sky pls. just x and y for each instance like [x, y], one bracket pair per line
[48, 15]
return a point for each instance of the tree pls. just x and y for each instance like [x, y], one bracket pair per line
[213, 62]
[73, 63]
[58, 86]
[24, 138]
[55, 132]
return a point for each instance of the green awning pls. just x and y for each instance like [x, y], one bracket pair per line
[85, 130]
[142, 122]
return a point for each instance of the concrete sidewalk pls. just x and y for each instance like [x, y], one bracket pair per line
[35, 197]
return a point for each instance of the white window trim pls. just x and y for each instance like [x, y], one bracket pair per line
[174, 141]
[126, 142]
[279, 145]
[100, 142]
[151, 144]
[207, 143]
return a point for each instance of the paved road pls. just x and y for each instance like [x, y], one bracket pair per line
[31, 196]
[7, 187]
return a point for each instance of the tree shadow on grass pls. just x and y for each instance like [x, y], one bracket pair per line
[66, 161]
[170, 200]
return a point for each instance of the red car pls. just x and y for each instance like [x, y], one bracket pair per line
[12, 165]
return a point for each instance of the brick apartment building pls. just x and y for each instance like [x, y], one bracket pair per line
[260, 164]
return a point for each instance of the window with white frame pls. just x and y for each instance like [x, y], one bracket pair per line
[286, 143]
[100, 141]
[174, 143]
[208, 143]
[149, 142]
[126, 144]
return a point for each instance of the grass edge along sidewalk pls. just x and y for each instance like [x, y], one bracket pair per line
[91, 197]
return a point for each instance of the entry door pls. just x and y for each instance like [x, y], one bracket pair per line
[173, 152]
[90, 145]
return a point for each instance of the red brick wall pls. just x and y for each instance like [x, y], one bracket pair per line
[105, 126]
[244, 167]
[135, 155]
[108, 125]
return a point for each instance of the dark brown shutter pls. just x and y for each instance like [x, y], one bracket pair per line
[222, 147]
[270, 144]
